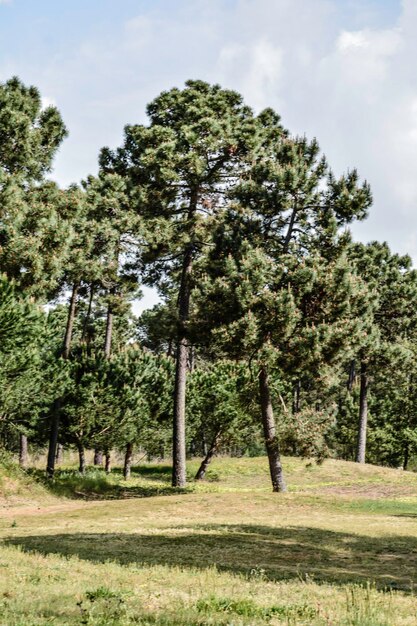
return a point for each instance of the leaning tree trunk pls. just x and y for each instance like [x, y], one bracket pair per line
[271, 440]
[128, 460]
[209, 457]
[178, 441]
[98, 457]
[81, 457]
[107, 461]
[56, 407]
[23, 451]
[363, 414]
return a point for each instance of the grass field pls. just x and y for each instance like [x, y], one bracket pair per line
[339, 548]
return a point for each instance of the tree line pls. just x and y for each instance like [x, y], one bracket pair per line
[275, 330]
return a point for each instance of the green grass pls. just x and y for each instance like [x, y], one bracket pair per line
[98, 550]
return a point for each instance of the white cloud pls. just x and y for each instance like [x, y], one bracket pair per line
[350, 81]
[48, 102]
[263, 68]
[348, 41]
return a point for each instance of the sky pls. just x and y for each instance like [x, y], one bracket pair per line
[343, 71]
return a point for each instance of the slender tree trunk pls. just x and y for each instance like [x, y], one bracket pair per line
[209, 457]
[107, 461]
[59, 454]
[23, 451]
[406, 450]
[290, 229]
[406, 456]
[352, 376]
[98, 457]
[363, 414]
[53, 437]
[178, 442]
[204, 444]
[88, 314]
[271, 440]
[128, 460]
[107, 354]
[109, 332]
[81, 456]
[191, 359]
[296, 397]
[56, 407]
[110, 316]
[70, 322]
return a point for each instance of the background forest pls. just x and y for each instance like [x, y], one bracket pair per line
[275, 330]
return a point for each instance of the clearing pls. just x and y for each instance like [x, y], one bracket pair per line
[339, 549]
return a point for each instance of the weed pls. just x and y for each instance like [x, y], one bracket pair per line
[103, 607]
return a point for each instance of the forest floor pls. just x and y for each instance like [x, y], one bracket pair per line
[340, 548]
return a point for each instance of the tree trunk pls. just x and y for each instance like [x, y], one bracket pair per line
[208, 458]
[352, 376]
[290, 229]
[271, 441]
[191, 359]
[56, 407]
[107, 461]
[23, 451]
[296, 397]
[406, 450]
[81, 456]
[204, 444]
[98, 457]
[70, 322]
[88, 314]
[128, 460]
[363, 414]
[59, 454]
[178, 442]
[406, 456]
[109, 332]
[53, 437]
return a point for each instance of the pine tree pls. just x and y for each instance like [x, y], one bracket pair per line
[179, 169]
[394, 288]
[276, 264]
[22, 332]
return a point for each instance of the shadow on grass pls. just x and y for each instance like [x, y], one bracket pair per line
[95, 484]
[153, 472]
[256, 551]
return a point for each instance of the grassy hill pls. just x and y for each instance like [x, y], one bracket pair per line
[339, 548]
[18, 487]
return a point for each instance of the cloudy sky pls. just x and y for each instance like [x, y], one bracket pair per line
[343, 71]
